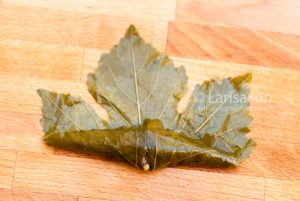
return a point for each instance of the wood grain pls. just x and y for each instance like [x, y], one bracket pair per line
[22, 132]
[7, 166]
[48, 61]
[287, 41]
[276, 15]
[209, 41]
[89, 199]
[282, 190]
[104, 179]
[274, 120]
[155, 9]
[54, 45]
[233, 45]
[14, 195]
[75, 28]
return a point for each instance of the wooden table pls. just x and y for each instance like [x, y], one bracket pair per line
[54, 44]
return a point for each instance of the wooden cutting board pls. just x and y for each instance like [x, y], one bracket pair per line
[54, 44]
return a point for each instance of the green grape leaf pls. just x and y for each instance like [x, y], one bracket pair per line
[218, 112]
[140, 89]
[135, 82]
[63, 112]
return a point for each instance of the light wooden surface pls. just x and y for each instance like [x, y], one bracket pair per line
[54, 44]
[269, 15]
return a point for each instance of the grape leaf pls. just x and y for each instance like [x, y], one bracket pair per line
[140, 89]
[135, 82]
[218, 112]
[62, 112]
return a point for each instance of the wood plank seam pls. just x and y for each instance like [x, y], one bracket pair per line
[82, 62]
[13, 181]
[234, 51]
[256, 55]
[167, 38]
[54, 26]
[278, 15]
[142, 9]
[265, 186]
[7, 165]
[272, 171]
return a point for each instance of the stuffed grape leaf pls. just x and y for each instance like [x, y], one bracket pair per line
[140, 89]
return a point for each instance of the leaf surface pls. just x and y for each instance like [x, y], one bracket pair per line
[63, 113]
[135, 82]
[218, 114]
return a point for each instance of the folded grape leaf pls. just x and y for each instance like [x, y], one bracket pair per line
[140, 89]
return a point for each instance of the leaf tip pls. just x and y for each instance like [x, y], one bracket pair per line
[42, 92]
[237, 81]
[249, 147]
[131, 31]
